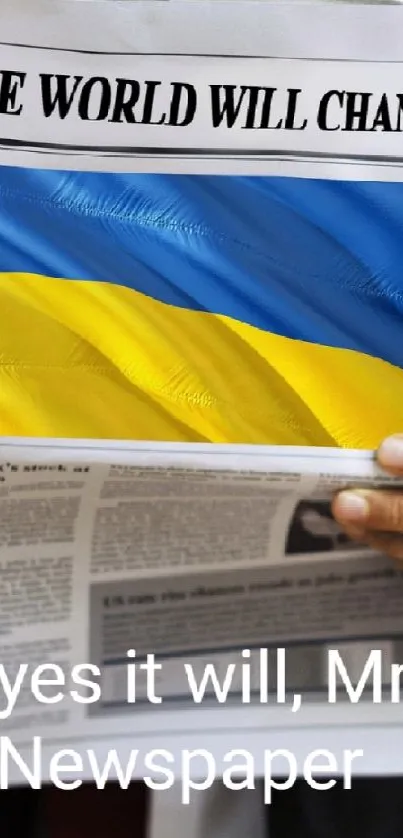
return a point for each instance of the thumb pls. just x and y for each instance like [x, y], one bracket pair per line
[371, 510]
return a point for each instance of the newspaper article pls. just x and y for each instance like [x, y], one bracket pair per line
[206, 554]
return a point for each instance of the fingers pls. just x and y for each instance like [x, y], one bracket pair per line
[375, 517]
[390, 454]
[367, 510]
[390, 545]
[387, 543]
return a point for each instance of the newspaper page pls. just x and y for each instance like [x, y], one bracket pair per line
[200, 556]
[112, 552]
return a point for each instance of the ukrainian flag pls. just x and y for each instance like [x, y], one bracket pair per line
[224, 309]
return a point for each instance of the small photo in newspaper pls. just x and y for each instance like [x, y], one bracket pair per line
[314, 530]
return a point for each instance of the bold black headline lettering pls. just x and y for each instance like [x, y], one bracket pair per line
[118, 100]
[174, 103]
[11, 84]
[255, 107]
[341, 110]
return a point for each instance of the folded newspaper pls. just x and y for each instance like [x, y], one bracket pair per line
[196, 555]
[167, 573]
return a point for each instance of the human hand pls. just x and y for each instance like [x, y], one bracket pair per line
[375, 517]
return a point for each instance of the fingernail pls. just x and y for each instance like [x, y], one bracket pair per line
[351, 507]
[390, 453]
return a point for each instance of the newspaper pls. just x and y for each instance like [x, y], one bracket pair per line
[194, 554]
[128, 569]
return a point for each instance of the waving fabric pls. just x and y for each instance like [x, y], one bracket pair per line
[181, 308]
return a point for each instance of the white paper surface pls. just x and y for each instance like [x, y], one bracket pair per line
[148, 96]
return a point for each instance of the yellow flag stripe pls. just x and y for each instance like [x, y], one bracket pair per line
[91, 359]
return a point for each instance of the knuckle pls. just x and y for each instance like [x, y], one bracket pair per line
[387, 511]
[396, 512]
